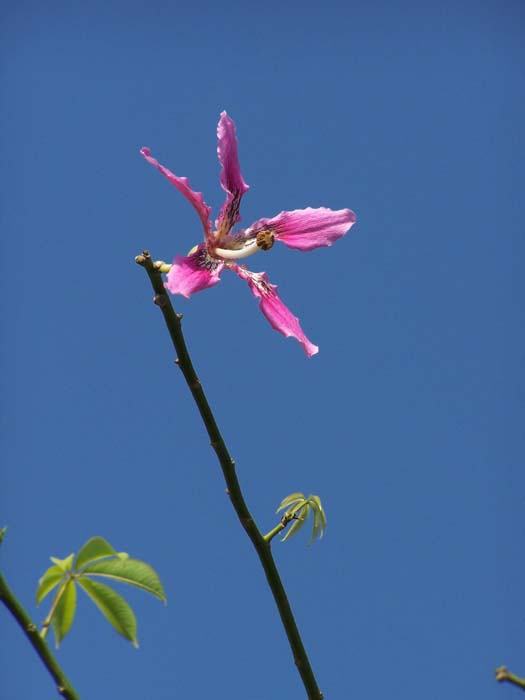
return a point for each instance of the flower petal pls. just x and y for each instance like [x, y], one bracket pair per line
[279, 316]
[183, 185]
[193, 273]
[306, 229]
[232, 181]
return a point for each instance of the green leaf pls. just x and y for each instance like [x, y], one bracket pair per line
[319, 517]
[65, 611]
[292, 499]
[132, 571]
[323, 517]
[316, 527]
[64, 564]
[2, 534]
[95, 548]
[316, 502]
[48, 581]
[113, 607]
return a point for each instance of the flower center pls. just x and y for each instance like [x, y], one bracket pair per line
[265, 239]
[206, 262]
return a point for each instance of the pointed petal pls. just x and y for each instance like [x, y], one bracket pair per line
[306, 229]
[232, 181]
[193, 273]
[183, 185]
[279, 316]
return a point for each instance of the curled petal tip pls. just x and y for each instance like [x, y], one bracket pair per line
[311, 350]
[352, 218]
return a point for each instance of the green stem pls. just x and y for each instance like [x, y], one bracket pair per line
[262, 547]
[41, 647]
[503, 674]
[276, 530]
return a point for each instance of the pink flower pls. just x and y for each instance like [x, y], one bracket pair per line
[304, 229]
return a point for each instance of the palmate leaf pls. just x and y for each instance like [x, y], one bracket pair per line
[96, 558]
[113, 606]
[49, 580]
[298, 508]
[136, 573]
[64, 611]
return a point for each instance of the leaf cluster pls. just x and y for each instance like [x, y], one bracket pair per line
[96, 560]
[298, 507]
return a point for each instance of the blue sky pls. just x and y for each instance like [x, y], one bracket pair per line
[408, 422]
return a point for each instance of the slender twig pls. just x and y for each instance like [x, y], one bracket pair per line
[47, 622]
[285, 520]
[40, 645]
[275, 531]
[503, 674]
[173, 323]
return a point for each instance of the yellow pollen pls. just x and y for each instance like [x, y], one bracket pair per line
[265, 239]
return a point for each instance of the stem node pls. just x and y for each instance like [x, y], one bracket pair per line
[160, 300]
[503, 674]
